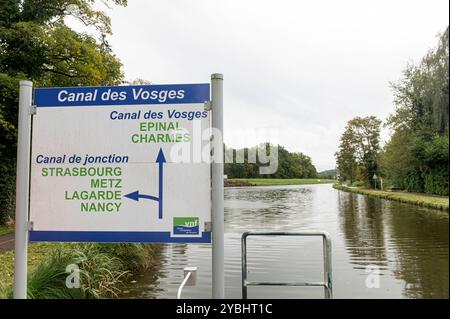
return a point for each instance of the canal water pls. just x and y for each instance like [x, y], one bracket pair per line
[381, 249]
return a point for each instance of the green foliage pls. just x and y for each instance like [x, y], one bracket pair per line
[404, 197]
[436, 180]
[421, 97]
[8, 137]
[328, 174]
[416, 156]
[100, 273]
[359, 184]
[397, 162]
[76, 59]
[135, 257]
[290, 165]
[7, 190]
[358, 149]
[48, 280]
[102, 268]
[430, 151]
[9, 100]
[413, 181]
[36, 44]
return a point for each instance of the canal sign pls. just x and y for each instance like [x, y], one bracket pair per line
[120, 164]
[106, 164]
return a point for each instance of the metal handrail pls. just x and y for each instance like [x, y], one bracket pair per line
[327, 283]
[183, 284]
[188, 272]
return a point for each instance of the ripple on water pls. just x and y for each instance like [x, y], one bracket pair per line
[407, 244]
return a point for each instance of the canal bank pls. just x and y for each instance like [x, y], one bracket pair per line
[430, 201]
[240, 182]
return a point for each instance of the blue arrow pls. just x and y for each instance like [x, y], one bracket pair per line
[160, 159]
[135, 196]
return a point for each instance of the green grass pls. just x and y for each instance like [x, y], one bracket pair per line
[437, 202]
[37, 253]
[279, 181]
[6, 230]
[103, 268]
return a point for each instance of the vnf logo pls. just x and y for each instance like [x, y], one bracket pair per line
[73, 279]
[191, 223]
[373, 277]
[185, 226]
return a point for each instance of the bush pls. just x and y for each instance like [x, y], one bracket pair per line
[359, 184]
[100, 273]
[135, 257]
[48, 280]
[413, 181]
[102, 268]
[9, 93]
[436, 181]
[7, 191]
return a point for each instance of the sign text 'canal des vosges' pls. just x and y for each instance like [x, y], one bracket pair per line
[103, 168]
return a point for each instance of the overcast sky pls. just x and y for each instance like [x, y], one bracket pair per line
[296, 69]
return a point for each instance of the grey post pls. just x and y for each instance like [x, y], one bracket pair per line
[218, 277]
[22, 191]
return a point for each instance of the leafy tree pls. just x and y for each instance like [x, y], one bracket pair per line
[290, 165]
[8, 136]
[421, 97]
[345, 158]
[37, 44]
[358, 149]
[397, 163]
[416, 157]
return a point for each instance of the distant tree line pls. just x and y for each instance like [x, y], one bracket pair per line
[290, 165]
[328, 174]
[415, 158]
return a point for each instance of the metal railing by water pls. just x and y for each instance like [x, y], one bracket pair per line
[190, 279]
[327, 276]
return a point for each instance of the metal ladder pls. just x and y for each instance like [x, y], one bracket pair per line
[327, 276]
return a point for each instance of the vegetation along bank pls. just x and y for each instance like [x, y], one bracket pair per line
[437, 202]
[103, 269]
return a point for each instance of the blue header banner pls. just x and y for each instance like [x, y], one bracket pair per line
[122, 95]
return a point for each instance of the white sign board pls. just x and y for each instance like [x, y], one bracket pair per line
[121, 164]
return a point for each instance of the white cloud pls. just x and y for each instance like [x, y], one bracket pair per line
[303, 67]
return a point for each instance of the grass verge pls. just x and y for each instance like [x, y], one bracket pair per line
[275, 181]
[437, 202]
[103, 268]
[6, 230]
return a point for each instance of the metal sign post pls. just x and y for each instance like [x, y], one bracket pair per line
[22, 188]
[218, 278]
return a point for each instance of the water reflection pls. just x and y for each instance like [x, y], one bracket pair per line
[408, 241]
[408, 244]
[363, 229]
[420, 239]
[151, 277]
